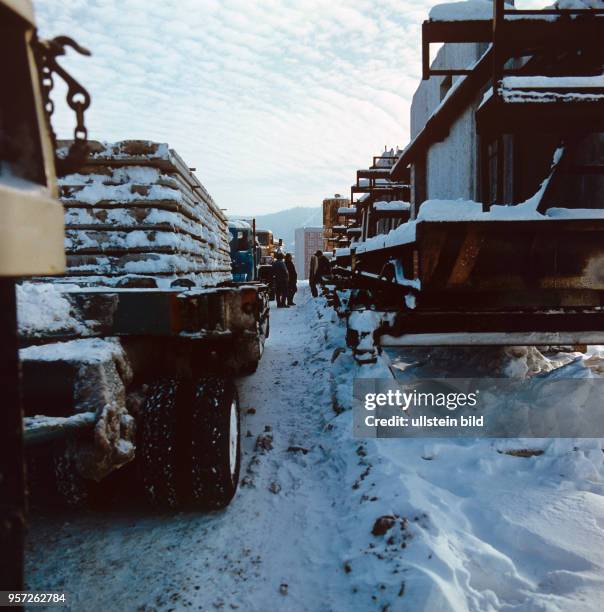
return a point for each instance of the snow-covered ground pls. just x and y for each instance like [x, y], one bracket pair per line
[457, 525]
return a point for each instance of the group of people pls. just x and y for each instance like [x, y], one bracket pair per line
[285, 276]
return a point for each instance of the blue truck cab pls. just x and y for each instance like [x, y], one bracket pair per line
[242, 250]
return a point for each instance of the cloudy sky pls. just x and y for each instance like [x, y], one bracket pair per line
[275, 102]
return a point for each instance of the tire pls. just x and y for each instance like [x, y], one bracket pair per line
[216, 448]
[249, 368]
[158, 459]
[244, 356]
[189, 443]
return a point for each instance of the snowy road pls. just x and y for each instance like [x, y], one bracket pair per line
[277, 546]
[474, 525]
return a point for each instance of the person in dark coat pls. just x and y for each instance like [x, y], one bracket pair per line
[312, 276]
[281, 280]
[323, 267]
[292, 287]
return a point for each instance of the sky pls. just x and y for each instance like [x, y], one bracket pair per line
[276, 103]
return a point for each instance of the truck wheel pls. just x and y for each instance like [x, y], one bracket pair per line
[249, 368]
[216, 451]
[189, 443]
[157, 454]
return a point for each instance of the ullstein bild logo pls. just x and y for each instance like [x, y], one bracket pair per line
[538, 407]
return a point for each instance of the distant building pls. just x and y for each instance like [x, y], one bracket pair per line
[308, 241]
[331, 219]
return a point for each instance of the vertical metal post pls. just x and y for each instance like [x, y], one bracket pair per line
[483, 165]
[254, 250]
[12, 469]
[500, 170]
[425, 59]
[498, 59]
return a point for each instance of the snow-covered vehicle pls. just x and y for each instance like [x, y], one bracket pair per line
[130, 355]
[496, 205]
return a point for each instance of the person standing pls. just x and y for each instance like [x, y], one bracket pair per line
[312, 276]
[281, 280]
[292, 274]
[323, 267]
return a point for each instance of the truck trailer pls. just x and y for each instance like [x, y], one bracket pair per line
[138, 366]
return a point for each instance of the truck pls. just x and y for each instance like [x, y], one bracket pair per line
[132, 327]
[266, 243]
[153, 326]
[245, 254]
[252, 252]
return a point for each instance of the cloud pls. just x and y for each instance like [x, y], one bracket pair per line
[275, 102]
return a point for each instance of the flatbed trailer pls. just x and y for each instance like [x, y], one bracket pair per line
[491, 282]
[145, 377]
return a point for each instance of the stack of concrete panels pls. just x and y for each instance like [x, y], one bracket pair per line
[137, 216]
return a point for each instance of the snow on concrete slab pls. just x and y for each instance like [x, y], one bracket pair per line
[166, 221]
[42, 309]
[85, 350]
[394, 205]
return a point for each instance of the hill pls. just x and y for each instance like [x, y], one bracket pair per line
[284, 223]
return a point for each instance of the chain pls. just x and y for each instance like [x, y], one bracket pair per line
[78, 99]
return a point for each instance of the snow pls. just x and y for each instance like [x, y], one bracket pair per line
[238, 224]
[40, 424]
[473, 10]
[85, 350]
[476, 526]
[543, 82]
[192, 239]
[575, 213]
[539, 89]
[403, 234]
[468, 210]
[579, 4]
[395, 205]
[347, 210]
[99, 192]
[101, 150]
[546, 97]
[41, 309]
[450, 210]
